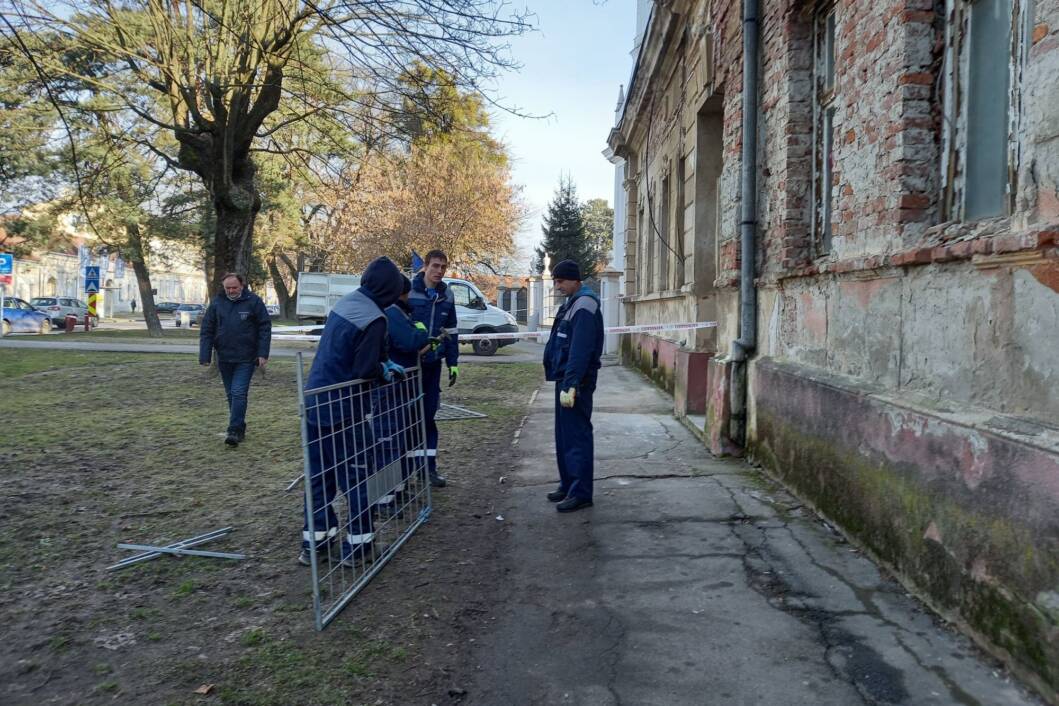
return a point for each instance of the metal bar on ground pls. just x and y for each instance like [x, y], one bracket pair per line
[182, 551]
[184, 543]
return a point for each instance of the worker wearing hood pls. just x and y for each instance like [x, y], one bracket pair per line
[352, 347]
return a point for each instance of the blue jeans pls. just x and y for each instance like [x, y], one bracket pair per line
[236, 377]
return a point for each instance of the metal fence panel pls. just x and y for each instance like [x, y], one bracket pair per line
[366, 486]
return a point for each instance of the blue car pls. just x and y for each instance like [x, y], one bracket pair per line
[19, 316]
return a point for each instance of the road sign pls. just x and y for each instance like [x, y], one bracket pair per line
[7, 263]
[7, 280]
[92, 304]
[91, 279]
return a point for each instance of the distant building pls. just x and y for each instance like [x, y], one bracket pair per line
[176, 272]
[894, 358]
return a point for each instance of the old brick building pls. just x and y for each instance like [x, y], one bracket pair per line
[894, 353]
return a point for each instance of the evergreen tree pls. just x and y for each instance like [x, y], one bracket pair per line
[599, 226]
[565, 236]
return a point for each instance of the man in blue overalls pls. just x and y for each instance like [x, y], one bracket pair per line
[395, 407]
[571, 359]
[340, 438]
[433, 304]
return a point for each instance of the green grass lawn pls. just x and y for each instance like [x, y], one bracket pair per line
[101, 448]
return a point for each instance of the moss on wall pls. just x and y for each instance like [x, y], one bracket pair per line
[983, 567]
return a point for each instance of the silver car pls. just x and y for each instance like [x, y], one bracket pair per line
[56, 309]
[195, 313]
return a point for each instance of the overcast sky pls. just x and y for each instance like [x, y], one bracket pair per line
[571, 71]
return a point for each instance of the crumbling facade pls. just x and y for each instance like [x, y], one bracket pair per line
[904, 372]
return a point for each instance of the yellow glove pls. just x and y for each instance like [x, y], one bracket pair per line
[566, 398]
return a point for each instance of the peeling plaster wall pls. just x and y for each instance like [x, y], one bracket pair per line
[957, 333]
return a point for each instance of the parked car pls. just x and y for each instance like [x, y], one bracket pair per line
[273, 309]
[166, 307]
[196, 312]
[58, 307]
[20, 316]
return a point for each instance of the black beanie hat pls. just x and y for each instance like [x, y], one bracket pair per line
[567, 269]
[406, 285]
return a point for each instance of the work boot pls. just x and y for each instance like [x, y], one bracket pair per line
[232, 439]
[556, 495]
[361, 554]
[437, 480]
[241, 434]
[573, 503]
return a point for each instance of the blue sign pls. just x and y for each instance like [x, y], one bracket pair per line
[91, 279]
[7, 263]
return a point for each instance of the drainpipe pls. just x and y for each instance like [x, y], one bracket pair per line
[744, 346]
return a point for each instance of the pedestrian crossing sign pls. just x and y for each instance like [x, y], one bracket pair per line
[91, 280]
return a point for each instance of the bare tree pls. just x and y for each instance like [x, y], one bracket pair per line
[224, 78]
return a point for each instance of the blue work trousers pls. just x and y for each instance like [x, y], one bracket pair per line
[339, 462]
[395, 420]
[431, 402]
[573, 444]
[236, 378]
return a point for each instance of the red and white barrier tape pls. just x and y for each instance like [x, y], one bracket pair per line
[279, 333]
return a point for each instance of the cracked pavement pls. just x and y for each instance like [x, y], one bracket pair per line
[695, 580]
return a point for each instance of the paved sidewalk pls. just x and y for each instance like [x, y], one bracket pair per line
[697, 581]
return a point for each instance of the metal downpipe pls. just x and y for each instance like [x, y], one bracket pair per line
[743, 346]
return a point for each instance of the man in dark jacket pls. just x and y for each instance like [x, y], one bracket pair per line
[396, 406]
[340, 440]
[238, 327]
[571, 359]
[434, 306]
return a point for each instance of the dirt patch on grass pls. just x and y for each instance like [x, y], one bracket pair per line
[130, 449]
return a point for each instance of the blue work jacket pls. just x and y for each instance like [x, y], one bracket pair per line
[405, 339]
[352, 347]
[438, 312]
[575, 344]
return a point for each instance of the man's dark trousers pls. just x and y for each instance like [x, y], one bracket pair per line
[236, 377]
[573, 444]
[431, 402]
[339, 462]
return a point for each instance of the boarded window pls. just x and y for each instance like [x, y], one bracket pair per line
[665, 236]
[988, 106]
[984, 47]
[824, 101]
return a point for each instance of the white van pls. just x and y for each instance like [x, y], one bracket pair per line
[318, 292]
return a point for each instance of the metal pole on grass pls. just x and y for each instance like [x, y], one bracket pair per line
[308, 486]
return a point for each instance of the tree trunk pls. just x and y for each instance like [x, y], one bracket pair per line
[236, 209]
[143, 280]
[280, 285]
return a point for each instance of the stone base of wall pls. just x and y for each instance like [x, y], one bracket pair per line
[719, 409]
[962, 505]
[655, 357]
[690, 382]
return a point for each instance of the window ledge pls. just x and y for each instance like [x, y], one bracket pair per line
[981, 243]
[655, 296]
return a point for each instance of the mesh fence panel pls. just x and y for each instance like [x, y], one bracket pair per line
[366, 486]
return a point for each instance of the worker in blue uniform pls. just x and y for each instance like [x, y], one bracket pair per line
[571, 359]
[396, 408]
[340, 439]
[433, 305]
